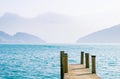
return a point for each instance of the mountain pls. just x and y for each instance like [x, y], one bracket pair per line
[110, 35]
[19, 38]
[9, 19]
[4, 35]
[51, 18]
[13, 20]
[48, 25]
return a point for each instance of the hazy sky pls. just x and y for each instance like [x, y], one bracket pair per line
[96, 14]
[30, 8]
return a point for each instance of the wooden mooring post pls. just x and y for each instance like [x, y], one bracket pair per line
[65, 58]
[61, 65]
[82, 57]
[93, 64]
[86, 60]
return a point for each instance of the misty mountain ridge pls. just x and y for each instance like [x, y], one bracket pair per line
[109, 35]
[19, 38]
[40, 24]
[10, 21]
[14, 19]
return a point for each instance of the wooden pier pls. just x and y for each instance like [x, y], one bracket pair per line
[78, 71]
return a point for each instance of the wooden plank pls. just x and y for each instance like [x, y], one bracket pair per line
[77, 71]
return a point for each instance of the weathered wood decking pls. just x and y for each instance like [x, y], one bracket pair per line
[77, 71]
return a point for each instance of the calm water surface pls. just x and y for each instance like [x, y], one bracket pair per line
[43, 61]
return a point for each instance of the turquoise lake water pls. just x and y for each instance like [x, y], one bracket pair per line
[43, 61]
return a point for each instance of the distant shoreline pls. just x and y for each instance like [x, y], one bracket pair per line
[60, 44]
